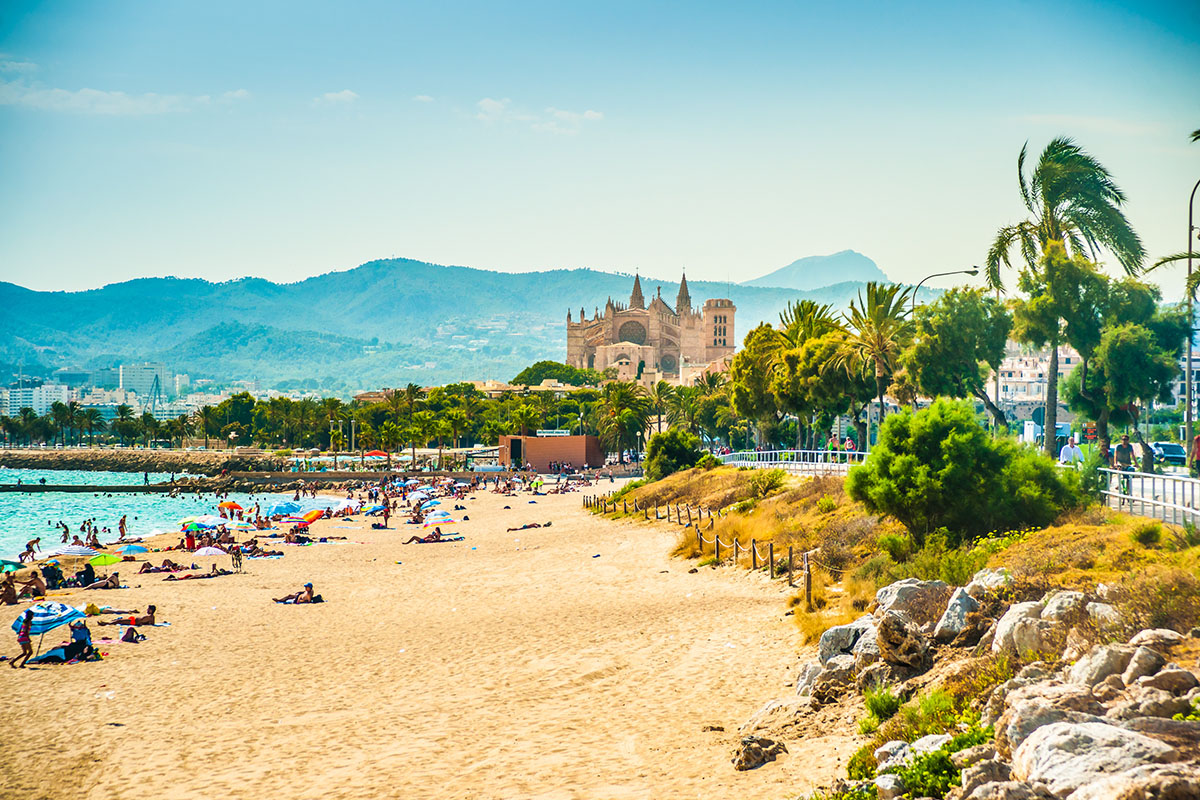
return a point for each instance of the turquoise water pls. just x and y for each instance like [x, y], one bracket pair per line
[75, 477]
[28, 516]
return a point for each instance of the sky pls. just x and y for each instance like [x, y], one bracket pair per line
[289, 139]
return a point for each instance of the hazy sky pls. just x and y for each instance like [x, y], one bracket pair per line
[287, 139]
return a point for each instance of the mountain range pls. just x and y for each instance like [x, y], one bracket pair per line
[813, 272]
[384, 323]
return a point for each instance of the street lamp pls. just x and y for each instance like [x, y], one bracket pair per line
[1188, 376]
[971, 271]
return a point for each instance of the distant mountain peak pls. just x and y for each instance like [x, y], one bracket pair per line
[816, 272]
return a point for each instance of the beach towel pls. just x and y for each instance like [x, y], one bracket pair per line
[261, 558]
[443, 539]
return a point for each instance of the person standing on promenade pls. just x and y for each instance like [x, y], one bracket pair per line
[1070, 453]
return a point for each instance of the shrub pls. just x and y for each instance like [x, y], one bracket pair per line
[933, 774]
[708, 461]
[765, 481]
[882, 703]
[861, 766]
[897, 546]
[1147, 534]
[671, 451]
[1161, 597]
[937, 468]
[1093, 482]
[826, 504]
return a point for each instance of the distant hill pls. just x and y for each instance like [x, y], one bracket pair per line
[815, 272]
[384, 323]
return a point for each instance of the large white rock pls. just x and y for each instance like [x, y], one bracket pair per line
[920, 602]
[1100, 662]
[1002, 641]
[1040, 636]
[1064, 606]
[1104, 615]
[806, 678]
[893, 751]
[889, 787]
[1066, 755]
[1144, 661]
[1147, 782]
[842, 638]
[988, 580]
[954, 618]
[1172, 679]
[1157, 637]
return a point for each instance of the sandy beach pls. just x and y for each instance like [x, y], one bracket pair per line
[576, 661]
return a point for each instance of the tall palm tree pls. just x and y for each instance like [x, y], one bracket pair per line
[621, 415]
[60, 415]
[74, 412]
[456, 418]
[91, 420]
[423, 426]
[122, 421]
[525, 417]
[412, 394]
[1071, 198]
[711, 383]
[806, 320]
[660, 396]
[878, 331]
[685, 406]
[206, 416]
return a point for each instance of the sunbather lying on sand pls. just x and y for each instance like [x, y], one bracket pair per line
[213, 573]
[432, 537]
[305, 595]
[529, 525]
[111, 582]
[145, 619]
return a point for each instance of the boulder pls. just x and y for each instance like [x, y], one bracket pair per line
[972, 755]
[1143, 662]
[1066, 755]
[1065, 607]
[975, 627]
[900, 642]
[1172, 679]
[1143, 701]
[1026, 716]
[1100, 662]
[880, 673]
[806, 678]
[754, 751]
[984, 772]
[954, 618]
[919, 602]
[889, 787]
[893, 751]
[988, 580]
[927, 744]
[866, 649]
[1009, 790]
[1104, 616]
[841, 638]
[1109, 689]
[1002, 640]
[1076, 645]
[1147, 782]
[835, 680]
[1030, 635]
[1159, 638]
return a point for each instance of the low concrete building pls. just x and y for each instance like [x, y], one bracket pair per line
[516, 451]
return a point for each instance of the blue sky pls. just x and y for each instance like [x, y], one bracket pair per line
[287, 139]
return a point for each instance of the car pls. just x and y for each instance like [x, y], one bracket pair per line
[1169, 453]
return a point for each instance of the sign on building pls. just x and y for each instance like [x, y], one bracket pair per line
[546, 433]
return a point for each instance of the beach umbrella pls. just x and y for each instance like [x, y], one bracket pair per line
[373, 510]
[74, 550]
[48, 616]
[104, 559]
[430, 504]
[193, 527]
[241, 526]
[129, 549]
[10, 566]
[210, 551]
[418, 496]
[229, 504]
[286, 507]
[437, 523]
[375, 454]
[314, 515]
[412, 482]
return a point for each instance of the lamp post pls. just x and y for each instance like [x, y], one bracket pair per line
[1187, 377]
[971, 271]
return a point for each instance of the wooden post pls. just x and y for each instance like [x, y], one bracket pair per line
[717, 549]
[656, 510]
[771, 556]
[645, 513]
[699, 541]
[754, 554]
[736, 551]
[790, 581]
[689, 510]
[624, 506]
[807, 584]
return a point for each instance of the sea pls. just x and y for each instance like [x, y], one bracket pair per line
[25, 516]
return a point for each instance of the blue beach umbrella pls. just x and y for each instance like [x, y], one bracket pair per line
[73, 550]
[130, 549]
[48, 616]
[428, 504]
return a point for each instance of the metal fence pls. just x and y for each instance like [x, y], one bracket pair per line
[1170, 498]
[797, 462]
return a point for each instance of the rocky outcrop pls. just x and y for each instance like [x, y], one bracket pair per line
[139, 460]
[954, 619]
[919, 602]
[900, 642]
[1065, 756]
[754, 751]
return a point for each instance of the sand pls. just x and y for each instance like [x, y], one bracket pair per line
[578, 661]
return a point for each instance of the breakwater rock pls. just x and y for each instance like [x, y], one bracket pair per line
[139, 460]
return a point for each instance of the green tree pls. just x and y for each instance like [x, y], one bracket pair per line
[621, 414]
[526, 417]
[661, 396]
[957, 340]
[534, 374]
[670, 452]
[878, 331]
[91, 420]
[750, 375]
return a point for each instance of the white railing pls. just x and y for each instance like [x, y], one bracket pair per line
[797, 462]
[1170, 498]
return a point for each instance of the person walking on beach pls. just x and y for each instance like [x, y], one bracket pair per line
[121, 527]
[24, 639]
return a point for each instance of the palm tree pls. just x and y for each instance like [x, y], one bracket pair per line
[122, 421]
[74, 411]
[685, 406]
[525, 417]
[61, 416]
[711, 383]
[149, 426]
[807, 320]
[660, 396]
[92, 420]
[1071, 198]
[456, 418]
[412, 394]
[622, 413]
[389, 437]
[423, 425]
[207, 417]
[879, 330]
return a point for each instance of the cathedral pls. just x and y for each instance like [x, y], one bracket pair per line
[655, 342]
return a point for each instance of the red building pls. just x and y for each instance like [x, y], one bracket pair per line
[516, 451]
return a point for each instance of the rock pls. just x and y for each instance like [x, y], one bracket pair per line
[1159, 638]
[754, 751]
[975, 625]
[1109, 689]
[984, 645]
[1004, 628]
[1031, 635]
[835, 680]
[1037, 671]
[980, 752]
[1183, 735]
[841, 638]
[1100, 662]
[866, 649]
[1027, 716]
[927, 744]
[894, 750]
[880, 673]
[806, 678]
[1064, 607]
[1147, 782]
[1105, 616]
[889, 787]
[1148, 702]
[1172, 679]
[919, 602]
[988, 580]
[1008, 790]
[954, 618]
[1144, 662]
[983, 773]
[1065, 755]
[1076, 645]
[900, 642]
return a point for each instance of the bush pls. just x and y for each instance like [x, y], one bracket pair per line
[861, 766]
[897, 546]
[765, 481]
[933, 774]
[671, 451]
[882, 703]
[1161, 597]
[708, 461]
[937, 468]
[1148, 534]
[826, 504]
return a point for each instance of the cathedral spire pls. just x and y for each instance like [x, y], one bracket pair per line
[636, 300]
[683, 300]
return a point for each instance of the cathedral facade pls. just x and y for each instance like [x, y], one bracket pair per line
[655, 341]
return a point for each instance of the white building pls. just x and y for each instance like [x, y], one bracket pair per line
[1023, 374]
[39, 398]
[140, 379]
